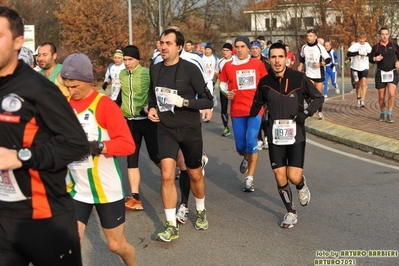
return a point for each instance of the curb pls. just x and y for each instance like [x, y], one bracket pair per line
[368, 142]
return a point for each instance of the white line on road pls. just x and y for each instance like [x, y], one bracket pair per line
[350, 155]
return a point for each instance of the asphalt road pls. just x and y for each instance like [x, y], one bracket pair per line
[353, 207]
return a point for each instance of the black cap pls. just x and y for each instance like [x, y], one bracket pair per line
[228, 46]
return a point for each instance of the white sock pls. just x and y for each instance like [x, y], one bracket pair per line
[250, 177]
[199, 204]
[171, 215]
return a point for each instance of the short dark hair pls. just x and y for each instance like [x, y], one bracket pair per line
[383, 28]
[179, 36]
[53, 49]
[277, 45]
[311, 31]
[189, 41]
[261, 38]
[16, 25]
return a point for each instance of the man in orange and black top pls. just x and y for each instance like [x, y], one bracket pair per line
[39, 136]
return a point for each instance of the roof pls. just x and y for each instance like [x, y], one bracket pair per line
[272, 4]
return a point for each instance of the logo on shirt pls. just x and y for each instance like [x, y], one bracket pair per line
[11, 103]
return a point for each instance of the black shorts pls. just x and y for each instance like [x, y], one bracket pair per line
[189, 139]
[147, 129]
[111, 214]
[360, 74]
[52, 241]
[382, 85]
[287, 155]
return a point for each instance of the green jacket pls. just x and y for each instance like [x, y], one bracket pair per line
[134, 89]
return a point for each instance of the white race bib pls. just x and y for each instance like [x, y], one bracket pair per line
[160, 94]
[246, 79]
[284, 132]
[84, 163]
[9, 189]
[387, 76]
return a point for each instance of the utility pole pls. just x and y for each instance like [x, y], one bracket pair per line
[160, 18]
[130, 22]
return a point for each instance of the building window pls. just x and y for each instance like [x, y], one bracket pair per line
[295, 23]
[309, 22]
[270, 24]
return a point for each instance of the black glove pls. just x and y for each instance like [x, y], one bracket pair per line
[300, 118]
[94, 149]
[105, 84]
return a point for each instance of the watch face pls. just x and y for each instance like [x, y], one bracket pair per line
[101, 145]
[24, 154]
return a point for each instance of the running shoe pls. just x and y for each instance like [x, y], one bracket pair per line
[182, 214]
[201, 223]
[290, 219]
[358, 103]
[389, 118]
[321, 116]
[337, 90]
[244, 166]
[260, 145]
[226, 132]
[265, 144]
[249, 185]
[362, 104]
[304, 194]
[382, 117]
[204, 162]
[131, 204]
[169, 233]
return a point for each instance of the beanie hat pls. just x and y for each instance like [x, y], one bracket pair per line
[77, 66]
[228, 46]
[132, 51]
[256, 43]
[243, 39]
[203, 44]
[209, 45]
[26, 55]
[118, 52]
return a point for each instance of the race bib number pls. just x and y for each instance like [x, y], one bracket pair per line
[284, 132]
[387, 76]
[115, 91]
[84, 163]
[246, 79]
[161, 93]
[9, 189]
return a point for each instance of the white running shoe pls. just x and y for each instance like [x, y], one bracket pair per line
[290, 219]
[182, 214]
[265, 145]
[337, 90]
[249, 185]
[304, 194]
[260, 145]
[321, 116]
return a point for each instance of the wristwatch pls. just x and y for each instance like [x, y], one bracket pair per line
[25, 156]
[306, 112]
[100, 146]
[185, 103]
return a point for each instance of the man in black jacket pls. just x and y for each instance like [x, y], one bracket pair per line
[283, 91]
[39, 137]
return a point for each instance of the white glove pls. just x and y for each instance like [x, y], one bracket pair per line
[174, 99]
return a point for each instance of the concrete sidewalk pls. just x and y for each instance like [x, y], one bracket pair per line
[358, 127]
